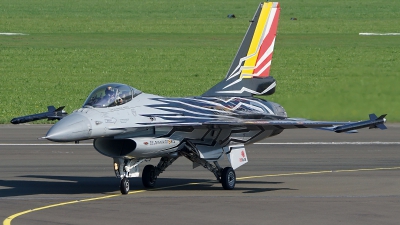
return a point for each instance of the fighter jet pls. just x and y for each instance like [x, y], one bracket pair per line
[132, 127]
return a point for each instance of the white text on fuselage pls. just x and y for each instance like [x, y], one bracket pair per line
[161, 142]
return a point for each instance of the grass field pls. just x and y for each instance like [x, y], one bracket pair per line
[324, 69]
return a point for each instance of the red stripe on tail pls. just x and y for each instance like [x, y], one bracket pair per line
[267, 42]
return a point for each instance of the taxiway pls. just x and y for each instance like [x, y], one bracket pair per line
[299, 177]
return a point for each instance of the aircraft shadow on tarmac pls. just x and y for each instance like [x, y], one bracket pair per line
[35, 185]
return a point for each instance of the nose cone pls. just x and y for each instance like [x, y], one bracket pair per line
[74, 127]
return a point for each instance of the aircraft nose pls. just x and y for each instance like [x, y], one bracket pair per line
[74, 127]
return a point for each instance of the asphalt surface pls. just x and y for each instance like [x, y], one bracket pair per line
[301, 177]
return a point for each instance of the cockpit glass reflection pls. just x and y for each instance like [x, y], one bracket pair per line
[110, 95]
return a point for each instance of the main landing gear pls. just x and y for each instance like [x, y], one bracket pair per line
[129, 168]
[226, 176]
[149, 176]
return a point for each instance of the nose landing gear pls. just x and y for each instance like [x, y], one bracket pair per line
[125, 169]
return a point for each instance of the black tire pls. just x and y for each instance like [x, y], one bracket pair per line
[228, 178]
[124, 186]
[149, 176]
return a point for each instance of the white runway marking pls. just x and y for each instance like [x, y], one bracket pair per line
[378, 34]
[9, 34]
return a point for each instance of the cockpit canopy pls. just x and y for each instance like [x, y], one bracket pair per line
[110, 95]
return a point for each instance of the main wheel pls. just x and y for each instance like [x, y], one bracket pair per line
[228, 178]
[149, 176]
[124, 186]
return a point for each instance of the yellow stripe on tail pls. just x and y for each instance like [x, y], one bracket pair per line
[254, 46]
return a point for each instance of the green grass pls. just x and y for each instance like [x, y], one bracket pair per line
[324, 69]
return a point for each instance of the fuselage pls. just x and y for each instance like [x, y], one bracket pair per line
[153, 125]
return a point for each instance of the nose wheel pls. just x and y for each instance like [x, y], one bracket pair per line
[124, 186]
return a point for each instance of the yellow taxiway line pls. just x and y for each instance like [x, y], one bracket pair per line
[316, 172]
[8, 220]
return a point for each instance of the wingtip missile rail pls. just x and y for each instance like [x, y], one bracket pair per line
[51, 114]
[373, 122]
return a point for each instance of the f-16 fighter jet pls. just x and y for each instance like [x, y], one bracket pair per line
[132, 127]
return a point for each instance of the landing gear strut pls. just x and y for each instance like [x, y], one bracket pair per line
[226, 176]
[124, 169]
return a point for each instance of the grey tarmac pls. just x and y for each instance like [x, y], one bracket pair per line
[317, 177]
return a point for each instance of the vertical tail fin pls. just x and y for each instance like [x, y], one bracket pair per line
[249, 72]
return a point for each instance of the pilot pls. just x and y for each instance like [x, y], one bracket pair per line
[109, 97]
[109, 92]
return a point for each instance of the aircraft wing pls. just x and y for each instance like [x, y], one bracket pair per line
[288, 123]
[338, 127]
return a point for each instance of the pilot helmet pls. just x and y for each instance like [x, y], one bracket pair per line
[108, 90]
